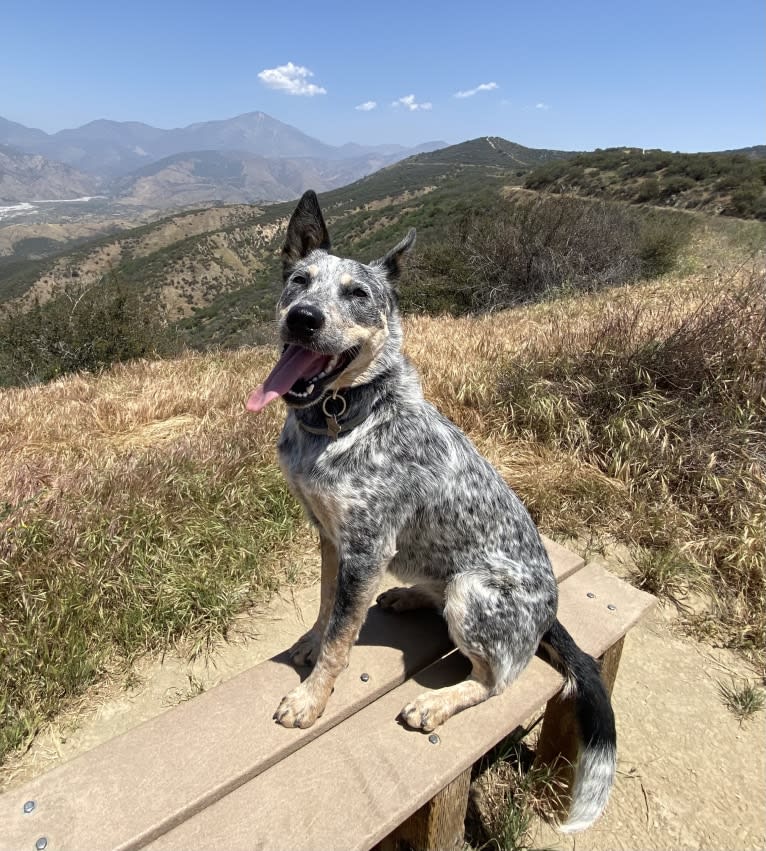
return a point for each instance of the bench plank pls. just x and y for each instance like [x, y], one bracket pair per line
[382, 772]
[142, 783]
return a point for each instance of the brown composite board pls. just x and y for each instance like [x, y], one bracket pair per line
[351, 787]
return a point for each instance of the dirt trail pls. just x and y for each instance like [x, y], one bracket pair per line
[690, 777]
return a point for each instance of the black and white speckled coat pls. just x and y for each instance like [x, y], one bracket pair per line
[393, 485]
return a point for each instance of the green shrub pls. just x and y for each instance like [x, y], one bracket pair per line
[534, 248]
[648, 190]
[80, 328]
[675, 185]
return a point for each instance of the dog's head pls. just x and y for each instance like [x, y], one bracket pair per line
[338, 319]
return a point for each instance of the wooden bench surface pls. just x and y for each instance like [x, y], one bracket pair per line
[351, 787]
[145, 782]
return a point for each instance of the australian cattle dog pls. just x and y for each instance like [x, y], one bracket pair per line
[391, 484]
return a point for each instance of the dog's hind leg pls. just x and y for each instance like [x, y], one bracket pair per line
[427, 595]
[433, 708]
[306, 648]
[495, 620]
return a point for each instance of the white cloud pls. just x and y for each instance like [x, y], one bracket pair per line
[483, 87]
[292, 79]
[411, 104]
[366, 106]
[542, 106]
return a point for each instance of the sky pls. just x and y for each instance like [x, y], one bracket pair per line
[683, 75]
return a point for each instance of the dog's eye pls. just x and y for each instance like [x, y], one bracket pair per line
[299, 280]
[360, 293]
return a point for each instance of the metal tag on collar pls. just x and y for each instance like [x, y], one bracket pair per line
[333, 426]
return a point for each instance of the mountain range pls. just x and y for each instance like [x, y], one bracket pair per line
[251, 157]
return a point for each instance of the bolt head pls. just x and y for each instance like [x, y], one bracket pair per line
[29, 806]
[434, 739]
[42, 843]
[365, 678]
[611, 607]
[591, 594]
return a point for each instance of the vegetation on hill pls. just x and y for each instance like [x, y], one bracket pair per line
[731, 184]
[471, 258]
[79, 329]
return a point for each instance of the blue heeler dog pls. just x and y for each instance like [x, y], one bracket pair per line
[391, 484]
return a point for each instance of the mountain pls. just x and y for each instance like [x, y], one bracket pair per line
[235, 177]
[494, 151]
[114, 148]
[250, 158]
[18, 136]
[31, 177]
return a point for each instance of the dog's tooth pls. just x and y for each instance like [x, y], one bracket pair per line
[309, 390]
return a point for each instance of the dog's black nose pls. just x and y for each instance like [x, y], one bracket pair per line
[304, 320]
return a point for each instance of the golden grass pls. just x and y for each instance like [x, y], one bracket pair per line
[136, 508]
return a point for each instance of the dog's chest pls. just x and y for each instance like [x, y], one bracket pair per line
[317, 473]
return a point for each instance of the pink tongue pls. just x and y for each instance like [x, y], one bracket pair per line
[295, 363]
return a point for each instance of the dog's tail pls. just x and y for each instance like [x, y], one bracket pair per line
[597, 759]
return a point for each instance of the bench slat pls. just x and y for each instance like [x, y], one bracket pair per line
[380, 772]
[142, 783]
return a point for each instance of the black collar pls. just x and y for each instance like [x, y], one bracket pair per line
[334, 408]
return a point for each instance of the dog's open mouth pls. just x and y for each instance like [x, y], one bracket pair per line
[300, 376]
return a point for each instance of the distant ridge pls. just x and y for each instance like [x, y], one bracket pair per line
[494, 150]
[114, 148]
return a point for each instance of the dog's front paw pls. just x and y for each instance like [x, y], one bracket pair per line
[306, 649]
[299, 709]
[426, 712]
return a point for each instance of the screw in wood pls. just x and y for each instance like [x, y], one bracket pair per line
[29, 806]
[365, 678]
[590, 594]
[611, 607]
[42, 843]
[434, 739]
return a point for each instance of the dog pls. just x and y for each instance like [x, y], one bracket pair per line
[391, 484]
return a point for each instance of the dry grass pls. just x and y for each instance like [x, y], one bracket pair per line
[137, 508]
[509, 795]
[637, 414]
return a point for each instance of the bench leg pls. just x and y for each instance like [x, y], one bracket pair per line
[557, 745]
[438, 825]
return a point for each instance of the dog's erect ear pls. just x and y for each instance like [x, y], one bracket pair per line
[305, 232]
[392, 262]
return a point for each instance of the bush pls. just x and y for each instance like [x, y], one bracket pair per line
[675, 185]
[534, 248]
[648, 190]
[745, 199]
[80, 328]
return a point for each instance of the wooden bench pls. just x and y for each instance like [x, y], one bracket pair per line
[217, 773]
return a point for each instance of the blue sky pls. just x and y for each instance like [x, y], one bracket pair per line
[574, 74]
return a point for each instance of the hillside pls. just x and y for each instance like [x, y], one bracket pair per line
[727, 183]
[236, 177]
[217, 270]
[495, 151]
[31, 177]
